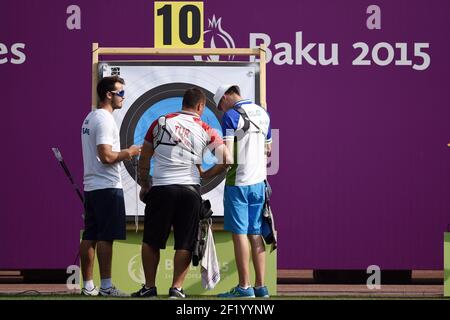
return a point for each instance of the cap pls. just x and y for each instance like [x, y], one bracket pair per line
[221, 91]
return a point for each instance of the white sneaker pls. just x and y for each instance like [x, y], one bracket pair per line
[112, 292]
[86, 292]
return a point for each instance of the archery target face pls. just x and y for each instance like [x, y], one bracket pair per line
[153, 89]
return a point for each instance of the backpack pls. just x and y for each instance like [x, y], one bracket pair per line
[246, 119]
[268, 231]
[157, 140]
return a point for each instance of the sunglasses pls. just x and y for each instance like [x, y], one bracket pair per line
[119, 93]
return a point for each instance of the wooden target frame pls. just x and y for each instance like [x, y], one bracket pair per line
[257, 52]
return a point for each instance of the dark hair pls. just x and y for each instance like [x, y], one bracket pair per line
[106, 85]
[233, 89]
[192, 97]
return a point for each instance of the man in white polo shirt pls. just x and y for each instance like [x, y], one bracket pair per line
[247, 134]
[104, 205]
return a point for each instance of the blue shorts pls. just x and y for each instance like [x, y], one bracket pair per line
[243, 208]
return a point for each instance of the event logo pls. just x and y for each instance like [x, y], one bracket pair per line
[218, 38]
[135, 269]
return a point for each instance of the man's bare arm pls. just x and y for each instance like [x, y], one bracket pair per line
[107, 156]
[225, 160]
[144, 164]
[268, 149]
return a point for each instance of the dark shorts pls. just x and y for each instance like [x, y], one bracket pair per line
[104, 218]
[172, 205]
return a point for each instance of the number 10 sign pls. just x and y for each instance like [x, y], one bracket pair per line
[178, 24]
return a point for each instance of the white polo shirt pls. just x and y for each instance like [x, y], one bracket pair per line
[99, 127]
[250, 160]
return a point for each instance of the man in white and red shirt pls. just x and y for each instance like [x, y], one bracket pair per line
[176, 142]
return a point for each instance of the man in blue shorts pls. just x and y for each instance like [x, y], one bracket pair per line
[246, 131]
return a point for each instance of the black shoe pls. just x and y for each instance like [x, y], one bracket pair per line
[145, 293]
[174, 293]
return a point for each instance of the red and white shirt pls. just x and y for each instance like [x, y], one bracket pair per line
[180, 147]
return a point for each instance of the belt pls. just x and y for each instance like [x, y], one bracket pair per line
[192, 188]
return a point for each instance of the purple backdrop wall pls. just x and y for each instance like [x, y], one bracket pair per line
[364, 172]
